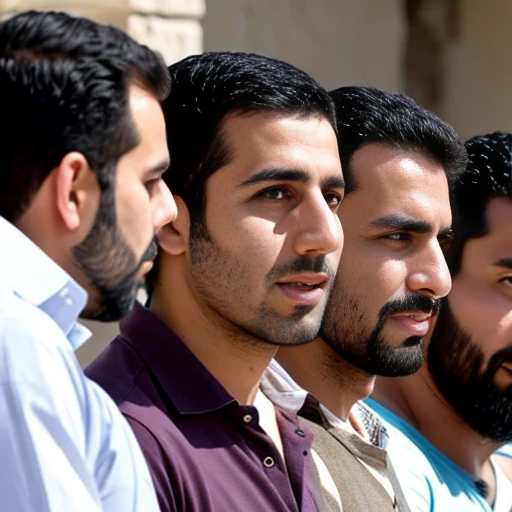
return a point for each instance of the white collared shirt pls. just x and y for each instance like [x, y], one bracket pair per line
[64, 446]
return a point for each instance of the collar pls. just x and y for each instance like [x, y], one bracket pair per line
[186, 382]
[38, 280]
[280, 387]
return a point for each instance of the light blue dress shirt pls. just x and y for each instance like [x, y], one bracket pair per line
[64, 446]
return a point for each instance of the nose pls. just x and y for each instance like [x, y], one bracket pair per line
[318, 228]
[164, 207]
[431, 275]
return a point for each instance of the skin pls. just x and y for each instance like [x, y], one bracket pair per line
[66, 208]
[382, 261]
[273, 206]
[481, 302]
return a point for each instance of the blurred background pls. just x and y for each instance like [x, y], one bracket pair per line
[451, 56]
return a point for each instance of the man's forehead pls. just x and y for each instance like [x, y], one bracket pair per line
[392, 182]
[497, 243]
[306, 147]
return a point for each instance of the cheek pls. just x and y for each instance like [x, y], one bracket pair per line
[134, 216]
[252, 240]
[484, 317]
[384, 278]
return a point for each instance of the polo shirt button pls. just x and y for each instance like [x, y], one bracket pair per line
[247, 418]
[268, 462]
[300, 432]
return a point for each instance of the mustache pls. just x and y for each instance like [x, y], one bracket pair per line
[151, 251]
[411, 302]
[316, 264]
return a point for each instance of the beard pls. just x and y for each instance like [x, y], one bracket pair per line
[222, 283]
[110, 265]
[456, 363]
[347, 331]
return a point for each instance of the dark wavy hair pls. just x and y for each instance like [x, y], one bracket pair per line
[366, 115]
[64, 87]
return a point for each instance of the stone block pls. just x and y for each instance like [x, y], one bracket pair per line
[171, 8]
[112, 12]
[174, 39]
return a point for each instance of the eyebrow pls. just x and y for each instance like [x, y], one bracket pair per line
[504, 262]
[291, 175]
[404, 223]
[157, 169]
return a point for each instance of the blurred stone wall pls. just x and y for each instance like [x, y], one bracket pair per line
[339, 42]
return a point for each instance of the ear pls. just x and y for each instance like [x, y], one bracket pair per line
[173, 237]
[77, 191]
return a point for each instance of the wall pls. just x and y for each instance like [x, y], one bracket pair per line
[477, 69]
[339, 42]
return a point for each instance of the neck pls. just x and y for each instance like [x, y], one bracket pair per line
[234, 358]
[417, 400]
[336, 383]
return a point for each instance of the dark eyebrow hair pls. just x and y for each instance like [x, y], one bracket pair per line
[334, 182]
[504, 262]
[276, 175]
[159, 168]
[403, 222]
[291, 175]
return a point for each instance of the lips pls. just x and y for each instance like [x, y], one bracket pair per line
[417, 323]
[304, 289]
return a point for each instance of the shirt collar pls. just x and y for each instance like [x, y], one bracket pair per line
[280, 387]
[190, 387]
[38, 280]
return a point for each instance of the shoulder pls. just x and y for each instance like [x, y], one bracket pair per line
[160, 464]
[33, 349]
[503, 457]
[117, 370]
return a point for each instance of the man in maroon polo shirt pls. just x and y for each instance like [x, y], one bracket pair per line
[246, 267]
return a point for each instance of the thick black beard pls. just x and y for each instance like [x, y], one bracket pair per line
[456, 364]
[109, 264]
[371, 352]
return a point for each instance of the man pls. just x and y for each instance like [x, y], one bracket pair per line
[81, 198]
[449, 419]
[245, 268]
[398, 162]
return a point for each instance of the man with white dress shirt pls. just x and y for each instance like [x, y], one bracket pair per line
[81, 199]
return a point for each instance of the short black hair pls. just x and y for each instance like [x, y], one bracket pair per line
[64, 84]
[367, 115]
[488, 175]
[207, 88]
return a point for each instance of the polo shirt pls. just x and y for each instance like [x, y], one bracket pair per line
[205, 451]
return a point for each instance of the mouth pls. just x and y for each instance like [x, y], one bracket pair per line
[416, 322]
[304, 289]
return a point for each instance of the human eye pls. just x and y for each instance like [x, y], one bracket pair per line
[506, 280]
[152, 184]
[446, 241]
[333, 199]
[397, 237]
[274, 193]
